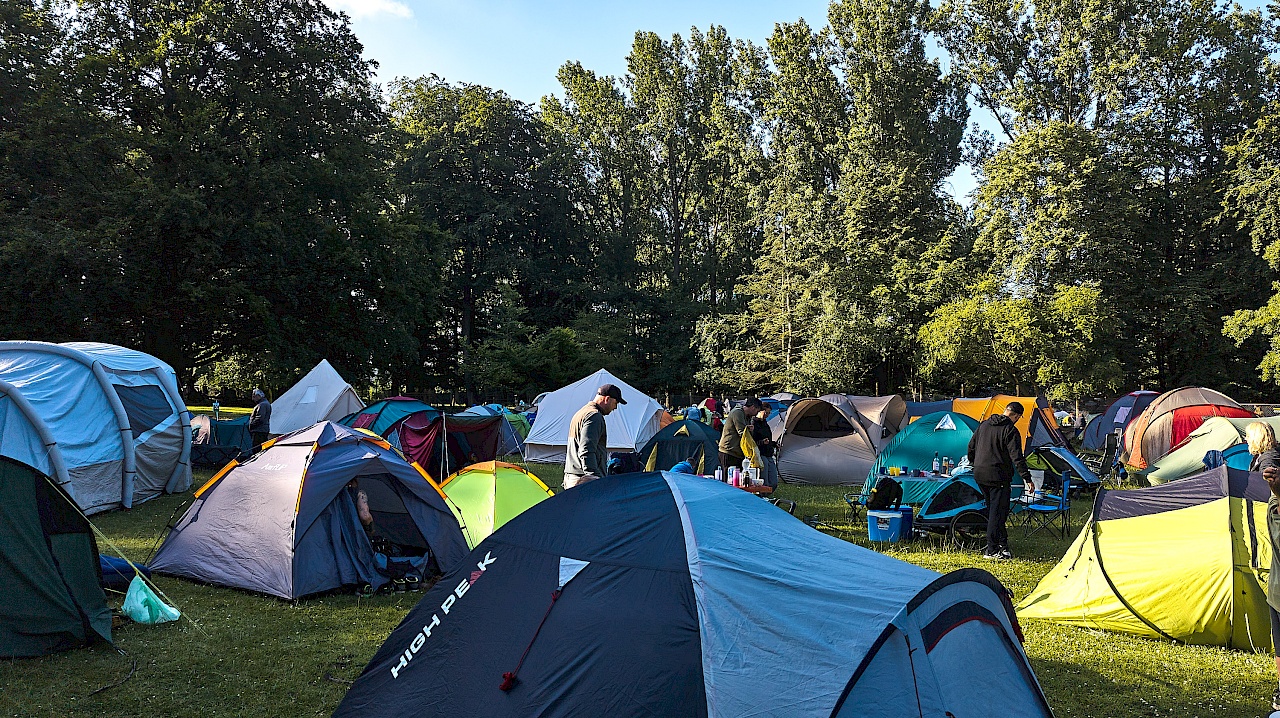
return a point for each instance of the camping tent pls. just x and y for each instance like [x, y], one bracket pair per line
[942, 433]
[1186, 561]
[509, 439]
[321, 395]
[684, 439]
[121, 430]
[882, 416]
[1037, 425]
[381, 416]
[490, 494]
[214, 442]
[670, 595]
[786, 398]
[469, 439]
[1217, 433]
[629, 427]
[824, 443]
[1169, 419]
[50, 577]
[283, 524]
[1116, 418]
[917, 409]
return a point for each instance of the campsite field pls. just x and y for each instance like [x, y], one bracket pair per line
[248, 655]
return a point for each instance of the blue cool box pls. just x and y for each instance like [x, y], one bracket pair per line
[890, 526]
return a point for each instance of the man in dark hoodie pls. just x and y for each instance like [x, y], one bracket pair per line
[994, 452]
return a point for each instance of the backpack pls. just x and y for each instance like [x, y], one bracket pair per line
[886, 495]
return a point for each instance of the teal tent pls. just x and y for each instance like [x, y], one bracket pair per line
[382, 416]
[944, 433]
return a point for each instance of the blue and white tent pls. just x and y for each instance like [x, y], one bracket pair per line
[670, 595]
[114, 429]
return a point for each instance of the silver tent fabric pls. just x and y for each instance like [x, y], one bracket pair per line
[824, 443]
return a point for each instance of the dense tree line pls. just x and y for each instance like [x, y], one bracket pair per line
[225, 186]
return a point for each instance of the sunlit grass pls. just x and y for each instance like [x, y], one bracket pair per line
[249, 655]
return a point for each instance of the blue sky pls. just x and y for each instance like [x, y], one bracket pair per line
[518, 46]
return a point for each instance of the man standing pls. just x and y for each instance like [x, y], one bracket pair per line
[260, 419]
[735, 422]
[587, 454]
[994, 451]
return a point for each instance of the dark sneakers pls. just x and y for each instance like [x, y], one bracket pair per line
[1003, 554]
[1275, 700]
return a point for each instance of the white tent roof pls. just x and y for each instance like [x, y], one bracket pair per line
[320, 395]
[629, 427]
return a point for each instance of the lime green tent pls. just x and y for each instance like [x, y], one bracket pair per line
[1184, 561]
[487, 495]
[1217, 433]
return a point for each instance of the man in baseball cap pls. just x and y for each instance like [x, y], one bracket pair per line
[587, 455]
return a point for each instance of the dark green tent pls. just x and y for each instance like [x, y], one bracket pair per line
[49, 573]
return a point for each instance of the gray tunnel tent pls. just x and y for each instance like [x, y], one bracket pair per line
[824, 443]
[121, 430]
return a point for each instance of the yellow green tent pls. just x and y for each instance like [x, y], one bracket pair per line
[1185, 561]
[487, 495]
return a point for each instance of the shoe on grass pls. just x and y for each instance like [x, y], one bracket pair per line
[1004, 554]
[1275, 700]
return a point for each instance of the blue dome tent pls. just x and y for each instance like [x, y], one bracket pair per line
[660, 595]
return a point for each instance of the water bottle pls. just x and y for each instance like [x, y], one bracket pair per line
[937, 463]
[719, 474]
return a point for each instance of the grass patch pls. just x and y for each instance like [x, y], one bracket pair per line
[252, 655]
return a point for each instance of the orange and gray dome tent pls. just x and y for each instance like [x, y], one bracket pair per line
[283, 522]
[1170, 419]
[1037, 425]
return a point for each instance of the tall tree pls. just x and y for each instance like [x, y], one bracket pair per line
[253, 221]
[501, 185]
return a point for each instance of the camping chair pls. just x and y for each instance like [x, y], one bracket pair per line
[1052, 513]
[1103, 463]
[785, 504]
[857, 504]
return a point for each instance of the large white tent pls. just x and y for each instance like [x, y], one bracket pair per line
[628, 428]
[321, 395]
[110, 425]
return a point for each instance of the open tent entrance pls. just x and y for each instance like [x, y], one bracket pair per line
[391, 520]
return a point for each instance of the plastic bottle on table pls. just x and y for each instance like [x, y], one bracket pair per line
[719, 474]
[937, 463]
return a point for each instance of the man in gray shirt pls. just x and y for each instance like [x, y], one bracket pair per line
[587, 454]
[260, 419]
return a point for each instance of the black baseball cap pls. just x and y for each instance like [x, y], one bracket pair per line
[612, 392]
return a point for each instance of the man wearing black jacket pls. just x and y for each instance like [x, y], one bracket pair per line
[994, 451]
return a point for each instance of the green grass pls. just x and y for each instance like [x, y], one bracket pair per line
[249, 655]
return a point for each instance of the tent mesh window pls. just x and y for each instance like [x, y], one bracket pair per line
[952, 497]
[146, 406]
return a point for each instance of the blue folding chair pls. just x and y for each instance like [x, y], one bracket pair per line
[1050, 513]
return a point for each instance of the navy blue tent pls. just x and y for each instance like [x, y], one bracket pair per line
[1115, 418]
[284, 523]
[681, 440]
[673, 595]
[917, 409]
